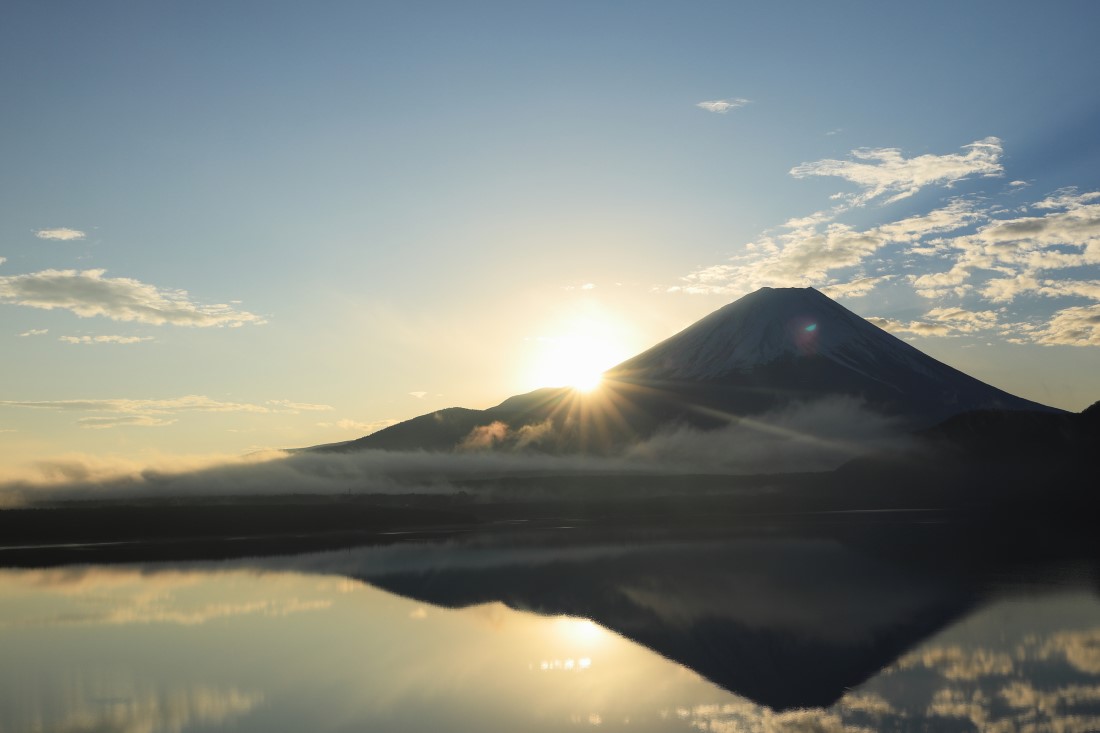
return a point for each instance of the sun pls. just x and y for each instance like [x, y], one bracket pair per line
[578, 352]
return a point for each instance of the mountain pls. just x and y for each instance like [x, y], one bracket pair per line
[770, 349]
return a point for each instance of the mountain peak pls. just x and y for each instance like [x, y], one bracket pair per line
[772, 348]
[760, 328]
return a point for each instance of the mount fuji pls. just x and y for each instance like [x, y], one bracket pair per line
[770, 349]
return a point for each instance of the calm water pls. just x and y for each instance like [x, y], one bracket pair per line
[774, 633]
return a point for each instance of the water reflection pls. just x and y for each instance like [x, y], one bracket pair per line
[776, 633]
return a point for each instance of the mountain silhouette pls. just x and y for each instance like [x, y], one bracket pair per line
[768, 350]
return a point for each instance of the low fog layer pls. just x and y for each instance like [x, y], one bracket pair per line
[806, 437]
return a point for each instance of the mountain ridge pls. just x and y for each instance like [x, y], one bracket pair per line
[770, 348]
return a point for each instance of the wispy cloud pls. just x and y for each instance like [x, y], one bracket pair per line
[287, 405]
[722, 106]
[88, 293]
[36, 332]
[761, 443]
[886, 171]
[63, 234]
[419, 394]
[107, 339]
[187, 403]
[114, 413]
[363, 428]
[124, 421]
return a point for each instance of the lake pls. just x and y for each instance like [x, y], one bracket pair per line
[780, 629]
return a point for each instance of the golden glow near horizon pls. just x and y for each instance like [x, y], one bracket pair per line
[583, 346]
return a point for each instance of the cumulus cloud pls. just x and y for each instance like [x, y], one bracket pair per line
[966, 248]
[108, 339]
[722, 106]
[1021, 249]
[88, 293]
[942, 322]
[744, 715]
[63, 234]
[806, 250]
[955, 662]
[885, 171]
[855, 288]
[1077, 326]
[1079, 648]
[35, 332]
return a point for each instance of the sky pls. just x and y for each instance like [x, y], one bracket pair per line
[229, 227]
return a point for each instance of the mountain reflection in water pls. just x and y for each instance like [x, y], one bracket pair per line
[768, 632]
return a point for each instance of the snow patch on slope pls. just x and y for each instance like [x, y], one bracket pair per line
[770, 325]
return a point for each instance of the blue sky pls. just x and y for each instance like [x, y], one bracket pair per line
[274, 224]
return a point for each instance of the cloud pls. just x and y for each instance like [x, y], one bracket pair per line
[89, 293]
[966, 247]
[818, 435]
[63, 234]
[855, 288]
[806, 250]
[81, 474]
[1077, 326]
[885, 171]
[744, 715]
[529, 435]
[1021, 249]
[363, 428]
[942, 322]
[796, 438]
[142, 710]
[187, 403]
[36, 332]
[123, 421]
[105, 339]
[288, 406]
[957, 663]
[485, 437]
[722, 106]
[419, 394]
[914, 327]
[143, 413]
[1081, 649]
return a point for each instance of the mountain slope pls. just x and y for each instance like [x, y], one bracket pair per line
[799, 343]
[767, 350]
